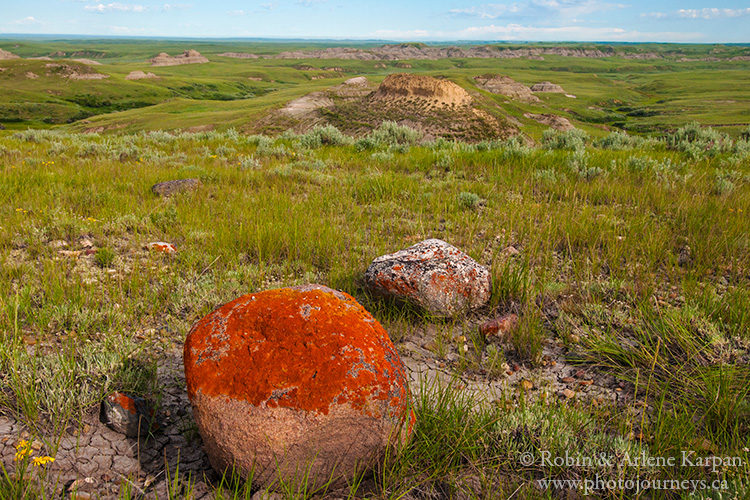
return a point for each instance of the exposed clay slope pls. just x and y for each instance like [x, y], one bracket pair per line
[504, 85]
[439, 108]
[554, 121]
[73, 71]
[436, 93]
[547, 87]
[90, 62]
[140, 75]
[5, 55]
[187, 57]
[307, 106]
[238, 55]
[423, 52]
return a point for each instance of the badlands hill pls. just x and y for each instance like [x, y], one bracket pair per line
[504, 85]
[415, 88]
[437, 107]
[418, 51]
[187, 57]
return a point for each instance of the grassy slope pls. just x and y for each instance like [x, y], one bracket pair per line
[644, 96]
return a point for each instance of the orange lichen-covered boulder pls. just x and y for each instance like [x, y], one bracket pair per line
[296, 383]
[433, 275]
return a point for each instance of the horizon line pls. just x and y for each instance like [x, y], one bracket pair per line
[349, 39]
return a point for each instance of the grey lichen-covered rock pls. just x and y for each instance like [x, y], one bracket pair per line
[169, 188]
[433, 275]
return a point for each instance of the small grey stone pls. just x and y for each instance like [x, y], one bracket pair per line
[127, 414]
[169, 188]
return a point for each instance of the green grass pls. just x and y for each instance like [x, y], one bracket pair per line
[644, 260]
[641, 96]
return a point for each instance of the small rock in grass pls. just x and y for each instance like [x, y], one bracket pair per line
[127, 414]
[70, 253]
[433, 275]
[499, 327]
[169, 188]
[685, 257]
[80, 489]
[296, 384]
[58, 243]
[161, 246]
[510, 251]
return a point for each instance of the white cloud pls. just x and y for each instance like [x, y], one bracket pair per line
[261, 8]
[521, 32]
[537, 9]
[541, 33]
[489, 11]
[583, 33]
[115, 6]
[712, 13]
[655, 15]
[175, 6]
[26, 21]
[705, 13]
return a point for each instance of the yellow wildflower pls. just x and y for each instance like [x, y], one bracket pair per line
[39, 461]
[23, 450]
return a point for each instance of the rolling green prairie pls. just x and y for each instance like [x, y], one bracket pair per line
[631, 258]
[685, 83]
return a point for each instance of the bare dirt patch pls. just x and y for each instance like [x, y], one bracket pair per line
[188, 57]
[504, 85]
[199, 128]
[105, 128]
[307, 105]
[5, 55]
[140, 75]
[238, 55]
[73, 72]
[554, 121]
[88, 61]
[547, 87]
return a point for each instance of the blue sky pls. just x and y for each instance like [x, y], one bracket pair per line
[554, 20]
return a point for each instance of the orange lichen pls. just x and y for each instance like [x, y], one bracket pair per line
[302, 349]
[161, 246]
[123, 400]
